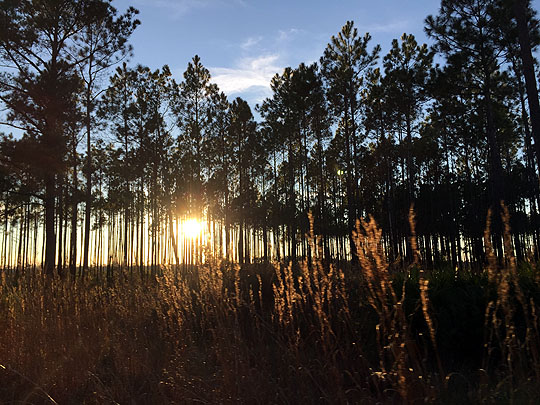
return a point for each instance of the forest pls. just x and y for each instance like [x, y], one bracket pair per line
[368, 233]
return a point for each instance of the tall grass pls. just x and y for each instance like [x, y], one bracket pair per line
[511, 317]
[306, 333]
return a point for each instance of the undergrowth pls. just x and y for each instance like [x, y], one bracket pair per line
[308, 333]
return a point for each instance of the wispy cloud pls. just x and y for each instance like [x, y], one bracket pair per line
[248, 75]
[285, 35]
[390, 27]
[263, 57]
[250, 42]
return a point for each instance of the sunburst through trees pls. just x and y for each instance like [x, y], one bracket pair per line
[314, 241]
[342, 139]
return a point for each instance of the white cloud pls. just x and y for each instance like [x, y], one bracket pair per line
[390, 27]
[288, 34]
[250, 42]
[248, 75]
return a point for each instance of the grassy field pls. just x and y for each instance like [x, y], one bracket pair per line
[312, 333]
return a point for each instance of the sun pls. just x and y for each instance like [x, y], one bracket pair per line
[191, 228]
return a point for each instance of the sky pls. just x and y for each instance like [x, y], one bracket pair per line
[244, 43]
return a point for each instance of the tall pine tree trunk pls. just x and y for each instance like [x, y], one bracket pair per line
[351, 212]
[88, 205]
[520, 12]
[75, 197]
[50, 235]
[60, 228]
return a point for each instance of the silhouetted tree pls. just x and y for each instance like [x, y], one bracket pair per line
[102, 43]
[41, 90]
[467, 34]
[345, 61]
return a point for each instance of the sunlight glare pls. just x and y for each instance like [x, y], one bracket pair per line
[191, 228]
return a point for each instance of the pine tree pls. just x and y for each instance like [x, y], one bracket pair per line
[406, 69]
[193, 110]
[467, 34]
[40, 40]
[102, 43]
[345, 61]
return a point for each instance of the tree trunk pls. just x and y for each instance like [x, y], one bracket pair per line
[73, 238]
[88, 206]
[496, 172]
[292, 205]
[50, 236]
[520, 13]
[60, 228]
[351, 217]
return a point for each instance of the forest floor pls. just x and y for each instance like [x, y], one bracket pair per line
[312, 333]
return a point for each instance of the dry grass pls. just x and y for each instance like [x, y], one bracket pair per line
[311, 333]
[517, 347]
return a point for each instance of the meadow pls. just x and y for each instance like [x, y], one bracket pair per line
[313, 332]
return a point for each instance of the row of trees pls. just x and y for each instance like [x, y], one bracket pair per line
[53, 54]
[350, 136]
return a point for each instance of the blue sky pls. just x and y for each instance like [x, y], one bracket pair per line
[245, 42]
